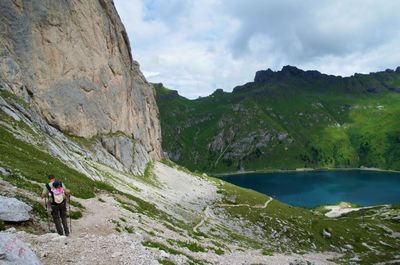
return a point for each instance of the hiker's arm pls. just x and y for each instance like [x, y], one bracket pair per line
[67, 191]
[44, 193]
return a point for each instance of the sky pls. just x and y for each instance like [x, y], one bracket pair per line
[198, 46]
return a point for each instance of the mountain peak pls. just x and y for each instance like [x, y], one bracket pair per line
[286, 72]
[291, 70]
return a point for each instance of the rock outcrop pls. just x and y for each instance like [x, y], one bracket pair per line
[291, 76]
[14, 251]
[71, 60]
[13, 210]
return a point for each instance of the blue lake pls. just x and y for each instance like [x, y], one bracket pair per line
[313, 188]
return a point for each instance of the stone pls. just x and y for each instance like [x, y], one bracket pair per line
[5, 171]
[10, 113]
[398, 69]
[326, 233]
[79, 76]
[291, 70]
[164, 255]
[131, 154]
[300, 262]
[282, 136]
[13, 210]
[348, 246]
[14, 251]
[11, 230]
[263, 75]
[116, 254]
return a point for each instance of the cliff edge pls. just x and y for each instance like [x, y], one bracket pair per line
[71, 60]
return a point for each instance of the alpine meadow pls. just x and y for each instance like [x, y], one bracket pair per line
[286, 120]
[101, 164]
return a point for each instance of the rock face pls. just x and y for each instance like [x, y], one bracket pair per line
[14, 251]
[72, 61]
[13, 210]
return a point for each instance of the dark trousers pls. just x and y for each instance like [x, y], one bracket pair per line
[59, 213]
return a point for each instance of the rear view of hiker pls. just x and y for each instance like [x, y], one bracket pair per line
[57, 195]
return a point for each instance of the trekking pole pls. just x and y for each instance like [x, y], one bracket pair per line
[47, 210]
[69, 213]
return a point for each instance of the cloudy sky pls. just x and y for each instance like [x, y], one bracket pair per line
[197, 46]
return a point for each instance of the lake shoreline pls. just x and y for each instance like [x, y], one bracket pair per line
[363, 187]
[266, 171]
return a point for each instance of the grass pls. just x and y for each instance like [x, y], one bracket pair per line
[12, 97]
[298, 227]
[148, 177]
[129, 229]
[192, 246]
[37, 208]
[160, 246]
[165, 262]
[34, 164]
[267, 252]
[219, 251]
[303, 228]
[22, 183]
[76, 204]
[329, 126]
[75, 215]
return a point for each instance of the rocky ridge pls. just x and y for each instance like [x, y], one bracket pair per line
[286, 119]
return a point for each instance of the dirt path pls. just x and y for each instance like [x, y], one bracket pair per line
[207, 211]
[247, 205]
[97, 217]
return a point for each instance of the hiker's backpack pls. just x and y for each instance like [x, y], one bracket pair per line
[56, 192]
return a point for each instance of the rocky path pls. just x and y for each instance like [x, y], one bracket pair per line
[208, 213]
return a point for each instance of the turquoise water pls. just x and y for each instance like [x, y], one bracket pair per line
[313, 188]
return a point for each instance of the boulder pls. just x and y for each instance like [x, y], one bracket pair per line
[5, 171]
[13, 210]
[326, 233]
[14, 251]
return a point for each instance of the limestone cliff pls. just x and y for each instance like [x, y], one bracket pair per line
[71, 60]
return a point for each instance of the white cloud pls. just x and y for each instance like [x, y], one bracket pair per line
[198, 46]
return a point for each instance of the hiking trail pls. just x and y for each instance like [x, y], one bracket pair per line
[207, 211]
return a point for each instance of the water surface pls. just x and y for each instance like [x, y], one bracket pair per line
[313, 188]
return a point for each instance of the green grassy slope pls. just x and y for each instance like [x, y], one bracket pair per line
[287, 121]
[368, 233]
[278, 228]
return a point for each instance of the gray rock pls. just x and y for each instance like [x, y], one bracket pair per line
[131, 154]
[174, 156]
[300, 262]
[13, 210]
[13, 251]
[398, 69]
[5, 171]
[282, 136]
[86, 88]
[10, 113]
[326, 233]
[348, 246]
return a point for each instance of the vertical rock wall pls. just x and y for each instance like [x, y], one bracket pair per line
[72, 61]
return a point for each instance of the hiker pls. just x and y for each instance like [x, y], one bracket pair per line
[57, 194]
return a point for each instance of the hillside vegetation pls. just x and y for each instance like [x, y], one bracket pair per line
[192, 218]
[286, 120]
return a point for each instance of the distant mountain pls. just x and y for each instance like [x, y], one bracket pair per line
[285, 120]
